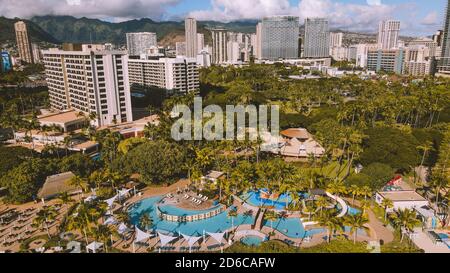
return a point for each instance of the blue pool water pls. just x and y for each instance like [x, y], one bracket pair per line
[292, 228]
[252, 241]
[172, 210]
[253, 198]
[353, 211]
[219, 223]
[137, 95]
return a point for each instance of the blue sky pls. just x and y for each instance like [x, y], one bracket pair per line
[418, 17]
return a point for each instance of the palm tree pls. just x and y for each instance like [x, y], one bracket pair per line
[271, 216]
[356, 222]
[332, 223]
[44, 216]
[145, 221]
[366, 192]
[103, 233]
[406, 219]
[365, 205]
[123, 217]
[354, 191]
[79, 182]
[321, 202]
[426, 147]
[232, 213]
[64, 199]
[386, 204]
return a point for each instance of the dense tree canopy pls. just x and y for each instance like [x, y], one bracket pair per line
[392, 147]
[157, 162]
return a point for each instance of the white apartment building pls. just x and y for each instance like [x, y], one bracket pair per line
[388, 33]
[219, 47]
[204, 59]
[191, 37]
[317, 38]
[336, 39]
[90, 82]
[177, 75]
[418, 60]
[279, 37]
[257, 46]
[429, 43]
[200, 42]
[340, 53]
[139, 42]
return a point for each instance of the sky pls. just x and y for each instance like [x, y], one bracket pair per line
[418, 17]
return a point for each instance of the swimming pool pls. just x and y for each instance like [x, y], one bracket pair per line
[292, 228]
[218, 223]
[284, 200]
[252, 240]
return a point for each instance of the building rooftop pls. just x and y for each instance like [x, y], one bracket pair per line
[61, 117]
[299, 133]
[56, 184]
[402, 196]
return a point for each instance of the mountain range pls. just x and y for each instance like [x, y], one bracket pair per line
[58, 29]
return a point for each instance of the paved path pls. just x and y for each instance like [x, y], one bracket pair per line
[425, 243]
[378, 229]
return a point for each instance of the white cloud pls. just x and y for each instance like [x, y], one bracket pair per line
[373, 2]
[343, 15]
[431, 19]
[89, 8]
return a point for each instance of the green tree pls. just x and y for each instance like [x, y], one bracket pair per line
[356, 222]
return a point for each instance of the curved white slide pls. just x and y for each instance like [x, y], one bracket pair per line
[341, 202]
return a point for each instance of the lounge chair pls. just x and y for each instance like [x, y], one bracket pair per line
[200, 196]
[205, 198]
[186, 196]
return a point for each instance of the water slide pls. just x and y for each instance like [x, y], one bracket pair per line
[341, 202]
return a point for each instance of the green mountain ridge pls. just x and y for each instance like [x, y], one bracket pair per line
[36, 33]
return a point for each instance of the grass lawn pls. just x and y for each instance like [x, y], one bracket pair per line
[339, 245]
[266, 247]
[330, 170]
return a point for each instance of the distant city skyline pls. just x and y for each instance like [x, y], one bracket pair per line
[418, 18]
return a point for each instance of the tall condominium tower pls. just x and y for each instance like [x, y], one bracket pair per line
[317, 38]
[90, 82]
[257, 46]
[444, 65]
[279, 37]
[23, 42]
[388, 32]
[219, 47]
[191, 37]
[139, 42]
[200, 42]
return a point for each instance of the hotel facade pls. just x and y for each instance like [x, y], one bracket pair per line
[90, 82]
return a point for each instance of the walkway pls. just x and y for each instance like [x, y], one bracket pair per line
[425, 243]
[378, 230]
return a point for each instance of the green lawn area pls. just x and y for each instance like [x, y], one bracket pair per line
[266, 247]
[330, 170]
[339, 245]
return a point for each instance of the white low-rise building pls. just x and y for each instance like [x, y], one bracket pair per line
[402, 199]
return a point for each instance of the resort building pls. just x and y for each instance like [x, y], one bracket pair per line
[317, 38]
[60, 125]
[293, 143]
[402, 199]
[279, 37]
[300, 143]
[177, 75]
[57, 184]
[135, 128]
[90, 81]
[386, 60]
